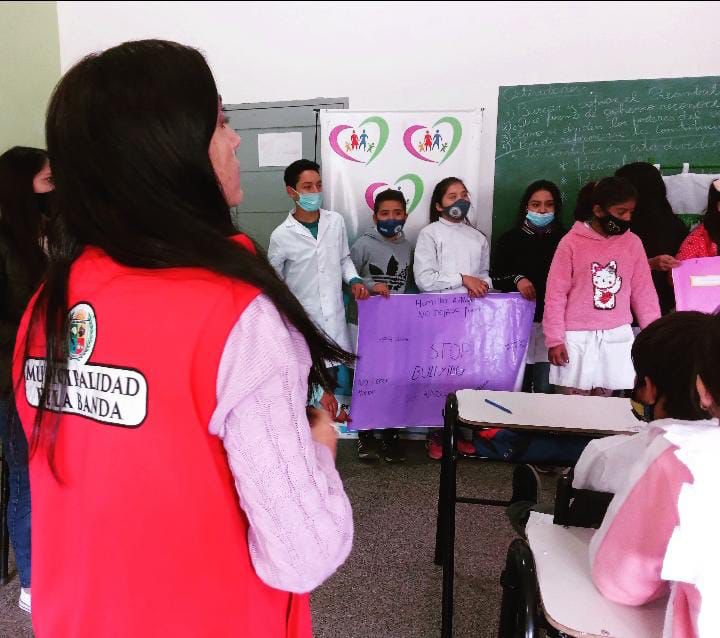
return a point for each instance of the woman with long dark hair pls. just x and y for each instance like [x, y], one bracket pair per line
[25, 182]
[660, 230]
[162, 374]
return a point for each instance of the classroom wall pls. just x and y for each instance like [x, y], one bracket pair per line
[398, 55]
[29, 69]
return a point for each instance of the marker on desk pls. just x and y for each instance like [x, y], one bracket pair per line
[498, 406]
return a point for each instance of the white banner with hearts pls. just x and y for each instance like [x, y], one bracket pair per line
[365, 152]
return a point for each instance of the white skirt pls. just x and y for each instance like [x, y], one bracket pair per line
[537, 350]
[598, 359]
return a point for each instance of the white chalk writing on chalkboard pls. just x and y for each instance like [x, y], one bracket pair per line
[544, 124]
[574, 133]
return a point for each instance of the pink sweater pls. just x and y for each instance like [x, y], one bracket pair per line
[628, 551]
[593, 283]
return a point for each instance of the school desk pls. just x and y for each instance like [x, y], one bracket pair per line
[569, 599]
[520, 411]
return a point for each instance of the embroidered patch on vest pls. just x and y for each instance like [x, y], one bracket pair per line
[81, 335]
[104, 393]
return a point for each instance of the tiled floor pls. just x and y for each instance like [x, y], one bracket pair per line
[389, 587]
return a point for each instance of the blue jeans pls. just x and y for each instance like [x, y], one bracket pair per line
[15, 452]
[519, 447]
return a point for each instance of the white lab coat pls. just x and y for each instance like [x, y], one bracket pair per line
[314, 269]
[445, 251]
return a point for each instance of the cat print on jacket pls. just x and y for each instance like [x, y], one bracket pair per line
[606, 283]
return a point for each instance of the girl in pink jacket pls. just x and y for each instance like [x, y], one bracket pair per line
[598, 278]
[659, 532]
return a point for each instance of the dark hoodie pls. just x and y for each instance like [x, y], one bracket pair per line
[16, 288]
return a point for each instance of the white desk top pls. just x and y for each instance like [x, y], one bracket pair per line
[570, 413]
[571, 602]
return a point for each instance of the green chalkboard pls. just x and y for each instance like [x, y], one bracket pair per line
[572, 133]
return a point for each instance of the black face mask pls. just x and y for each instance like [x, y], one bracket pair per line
[612, 225]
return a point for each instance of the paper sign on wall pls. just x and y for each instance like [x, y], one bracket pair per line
[279, 149]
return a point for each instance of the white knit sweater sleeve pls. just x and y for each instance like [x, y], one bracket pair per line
[300, 520]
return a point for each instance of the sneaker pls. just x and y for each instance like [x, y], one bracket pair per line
[25, 601]
[392, 448]
[434, 446]
[466, 448]
[367, 446]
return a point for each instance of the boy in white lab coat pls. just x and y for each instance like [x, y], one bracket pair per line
[310, 252]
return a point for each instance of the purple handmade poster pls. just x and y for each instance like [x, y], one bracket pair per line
[697, 284]
[413, 350]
